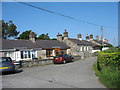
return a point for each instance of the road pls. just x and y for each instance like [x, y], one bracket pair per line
[78, 74]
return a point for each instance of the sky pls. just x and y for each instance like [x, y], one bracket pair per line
[100, 13]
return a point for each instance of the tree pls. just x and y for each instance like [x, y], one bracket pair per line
[44, 37]
[25, 35]
[9, 30]
[53, 39]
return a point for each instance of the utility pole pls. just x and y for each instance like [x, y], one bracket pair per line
[102, 36]
[114, 42]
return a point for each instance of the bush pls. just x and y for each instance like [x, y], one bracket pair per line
[107, 67]
[108, 60]
[39, 57]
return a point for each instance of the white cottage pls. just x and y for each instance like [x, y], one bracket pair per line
[19, 49]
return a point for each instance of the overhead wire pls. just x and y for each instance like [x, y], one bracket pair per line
[60, 14]
[70, 17]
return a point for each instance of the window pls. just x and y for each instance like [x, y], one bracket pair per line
[21, 54]
[29, 55]
[25, 54]
[66, 55]
[82, 48]
[63, 51]
[49, 52]
[86, 48]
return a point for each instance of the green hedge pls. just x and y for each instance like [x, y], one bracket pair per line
[107, 67]
[108, 60]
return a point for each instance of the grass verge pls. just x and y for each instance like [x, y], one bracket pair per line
[110, 76]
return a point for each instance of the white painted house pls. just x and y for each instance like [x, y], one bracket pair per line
[19, 49]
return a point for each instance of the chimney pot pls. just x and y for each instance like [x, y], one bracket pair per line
[91, 36]
[32, 36]
[97, 37]
[79, 36]
[65, 34]
[87, 37]
[59, 37]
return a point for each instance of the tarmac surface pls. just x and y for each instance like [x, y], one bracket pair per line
[77, 74]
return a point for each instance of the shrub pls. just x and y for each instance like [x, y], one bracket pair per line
[107, 67]
[39, 57]
[108, 60]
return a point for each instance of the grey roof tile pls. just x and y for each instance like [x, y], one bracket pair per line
[46, 44]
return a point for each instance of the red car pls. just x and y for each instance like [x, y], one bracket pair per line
[63, 58]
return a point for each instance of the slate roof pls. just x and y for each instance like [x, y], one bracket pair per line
[11, 44]
[83, 42]
[44, 44]
[100, 42]
[48, 44]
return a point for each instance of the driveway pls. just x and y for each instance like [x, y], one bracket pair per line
[78, 74]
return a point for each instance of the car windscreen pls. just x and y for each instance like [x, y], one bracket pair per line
[58, 56]
[4, 59]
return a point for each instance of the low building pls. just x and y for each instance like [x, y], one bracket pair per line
[19, 49]
[50, 48]
[78, 47]
[29, 49]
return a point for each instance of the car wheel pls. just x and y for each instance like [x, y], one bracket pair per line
[64, 61]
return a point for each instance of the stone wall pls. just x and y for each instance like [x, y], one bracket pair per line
[76, 49]
[34, 63]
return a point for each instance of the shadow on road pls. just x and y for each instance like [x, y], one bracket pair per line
[9, 73]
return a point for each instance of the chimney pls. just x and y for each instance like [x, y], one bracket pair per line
[87, 37]
[79, 36]
[59, 37]
[91, 36]
[65, 35]
[97, 38]
[32, 36]
[105, 40]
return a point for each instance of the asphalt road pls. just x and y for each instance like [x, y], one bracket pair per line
[78, 74]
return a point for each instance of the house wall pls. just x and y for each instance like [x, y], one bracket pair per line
[42, 54]
[2, 54]
[79, 50]
[16, 55]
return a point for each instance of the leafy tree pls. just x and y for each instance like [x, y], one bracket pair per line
[25, 35]
[9, 30]
[44, 37]
[53, 39]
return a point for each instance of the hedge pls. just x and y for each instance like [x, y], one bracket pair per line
[108, 60]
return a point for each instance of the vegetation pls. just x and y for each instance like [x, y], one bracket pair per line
[25, 35]
[44, 37]
[53, 39]
[107, 67]
[9, 30]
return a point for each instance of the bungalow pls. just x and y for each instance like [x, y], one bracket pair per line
[50, 48]
[29, 49]
[19, 49]
[78, 47]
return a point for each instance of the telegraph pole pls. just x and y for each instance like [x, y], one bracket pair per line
[114, 42]
[102, 36]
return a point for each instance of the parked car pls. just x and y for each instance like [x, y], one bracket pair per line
[6, 65]
[63, 58]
